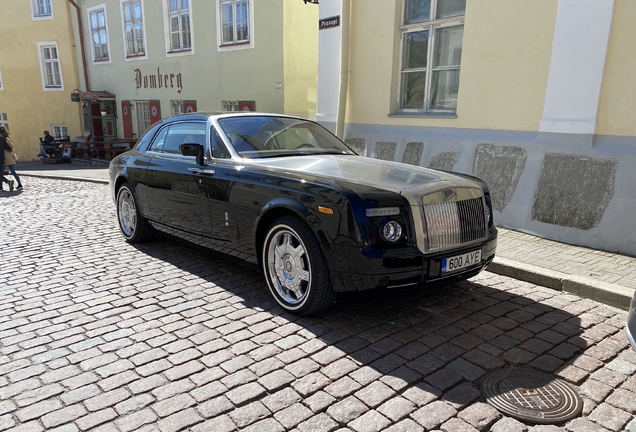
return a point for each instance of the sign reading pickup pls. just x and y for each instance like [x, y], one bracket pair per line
[330, 22]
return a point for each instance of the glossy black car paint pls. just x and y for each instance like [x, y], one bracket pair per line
[631, 323]
[254, 197]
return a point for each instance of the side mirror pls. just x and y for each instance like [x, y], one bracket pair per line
[192, 150]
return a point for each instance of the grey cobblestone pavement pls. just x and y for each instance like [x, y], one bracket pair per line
[605, 276]
[97, 334]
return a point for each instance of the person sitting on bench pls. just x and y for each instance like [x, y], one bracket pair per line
[46, 143]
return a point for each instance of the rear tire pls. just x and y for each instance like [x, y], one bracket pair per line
[132, 225]
[295, 268]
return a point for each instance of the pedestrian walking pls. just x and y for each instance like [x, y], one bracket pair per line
[3, 179]
[9, 158]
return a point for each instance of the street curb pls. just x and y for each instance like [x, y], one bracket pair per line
[602, 292]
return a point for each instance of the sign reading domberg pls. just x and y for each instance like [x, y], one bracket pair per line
[158, 80]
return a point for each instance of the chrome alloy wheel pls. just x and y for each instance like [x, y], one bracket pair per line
[289, 266]
[127, 213]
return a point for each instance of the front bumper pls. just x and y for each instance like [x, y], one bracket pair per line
[630, 328]
[352, 270]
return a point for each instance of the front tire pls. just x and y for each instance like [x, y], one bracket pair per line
[295, 268]
[132, 225]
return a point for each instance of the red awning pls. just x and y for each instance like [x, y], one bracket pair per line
[96, 95]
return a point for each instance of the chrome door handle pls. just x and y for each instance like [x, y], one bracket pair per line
[202, 171]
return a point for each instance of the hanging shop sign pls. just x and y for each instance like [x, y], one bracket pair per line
[158, 80]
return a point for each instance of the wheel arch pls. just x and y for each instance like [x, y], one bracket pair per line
[276, 209]
[141, 229]
[118, 182]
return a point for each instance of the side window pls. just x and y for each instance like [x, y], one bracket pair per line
[157, 144]
[219, 150]
[171, 137]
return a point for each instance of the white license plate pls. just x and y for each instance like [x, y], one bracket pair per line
[459, 262]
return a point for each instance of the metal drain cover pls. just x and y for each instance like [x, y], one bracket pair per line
[530, 395]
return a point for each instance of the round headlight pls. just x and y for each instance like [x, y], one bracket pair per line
[392, 231]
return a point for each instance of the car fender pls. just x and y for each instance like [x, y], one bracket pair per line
[280, 206]
[121, 172]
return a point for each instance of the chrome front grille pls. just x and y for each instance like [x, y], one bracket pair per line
[455, 223]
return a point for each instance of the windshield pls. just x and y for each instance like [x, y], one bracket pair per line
[268, 136]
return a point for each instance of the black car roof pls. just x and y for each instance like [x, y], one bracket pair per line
[204, 115]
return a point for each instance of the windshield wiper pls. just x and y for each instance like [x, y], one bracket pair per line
[303, 153]
[248, 139]
[282, 154]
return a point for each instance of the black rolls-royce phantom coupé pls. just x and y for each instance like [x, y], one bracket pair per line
[285, 195]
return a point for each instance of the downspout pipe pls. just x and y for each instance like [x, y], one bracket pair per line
[80, 28]
[344, 69]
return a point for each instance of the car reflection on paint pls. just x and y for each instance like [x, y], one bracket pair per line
[285, 195]
[630, 328]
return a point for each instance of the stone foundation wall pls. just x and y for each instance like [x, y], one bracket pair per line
[575, 189]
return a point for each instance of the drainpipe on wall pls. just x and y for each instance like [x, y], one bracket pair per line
[344, 69]
[80, 29]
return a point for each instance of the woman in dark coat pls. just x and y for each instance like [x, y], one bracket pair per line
[4, 146]
[9, 158]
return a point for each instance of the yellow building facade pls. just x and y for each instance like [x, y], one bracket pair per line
[38, 72]
[536, 98]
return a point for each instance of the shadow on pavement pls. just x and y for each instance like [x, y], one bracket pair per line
[433, 344]
[6, 194]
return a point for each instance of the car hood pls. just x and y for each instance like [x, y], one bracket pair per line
[387, 175]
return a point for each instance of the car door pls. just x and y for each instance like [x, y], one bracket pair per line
[177, 185]
[226, 175]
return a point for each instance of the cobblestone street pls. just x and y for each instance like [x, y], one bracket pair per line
[97, 334]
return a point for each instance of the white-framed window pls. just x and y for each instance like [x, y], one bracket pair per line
[431, 52]
[133, 28]
[59, 131]
[3, 120]
[235, 24]
[142, 110]
[41, 9]
[183, 106]
[177, 107]
[231, 106]
[179, 25]
[50, 66]
[99, 33]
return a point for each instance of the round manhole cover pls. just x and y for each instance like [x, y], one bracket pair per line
[532, 396]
